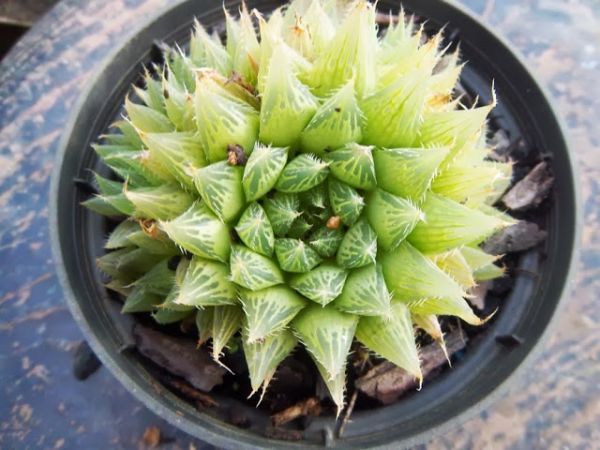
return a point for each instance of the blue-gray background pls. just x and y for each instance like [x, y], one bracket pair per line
[555, 405]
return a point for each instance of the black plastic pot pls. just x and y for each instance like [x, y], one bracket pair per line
[446, 401]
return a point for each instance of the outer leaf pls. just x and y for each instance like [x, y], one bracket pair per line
[302, 173]
[127, 263]
[154, 241]
[262, 170]
[119, 237]
[147, 119]
[472, 184]
[447, 306]
[488, 272]
[359, 246]
[350, 54]
[227, 320]
[326, 241]
[327, 335]
[206, 283]
[176, 152]
[137, 167]
[159, 203]
[353, 165]
[295, 256]
[223, 120]
[477, 258]
[455, 265]
[431, 325]
[282, 209]
[208, 52]
[322, 284]
[337, 122]
[252, 270]
[407, 172]
[254, 229]
[287, 105]
[335, 385]
[263, 357]
[179, 105]
[449, 225]
[412, 276]
[392, 217]
[220, 186]
[269, 310]
[393, 115]
[200, 232]
[204, 324]
[392, 339]
[168, 316]
[346, 202]
[244, 48]
[365, 293]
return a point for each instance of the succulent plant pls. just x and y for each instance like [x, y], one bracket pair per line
[313, 183]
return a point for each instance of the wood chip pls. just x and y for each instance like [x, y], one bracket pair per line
[311, 406]
[531, 190]
[387, 382]
[191, 393]
[179, 357]
[518, 237]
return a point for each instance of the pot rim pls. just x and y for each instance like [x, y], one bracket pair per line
[220, 433]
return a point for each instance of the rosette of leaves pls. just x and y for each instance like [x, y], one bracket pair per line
[311, 183]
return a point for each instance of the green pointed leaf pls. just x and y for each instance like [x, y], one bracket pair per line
[176, 152]
[326, 241]
[263, 357]
[447, 306]
[336, 385]
[220, 186]
[501, 182]
[455, 265]
[476, 258]
[255, 231]
[407, 172]
[127, 263]
[159, 203]
[227, 320]
[206, 283]
[431, 325]
[154, 241]
[262, 170]
[409, 275]
[244, 48]
[453, 128]
[353, 164]
[393, 115]
[392, 339]
[119, 237]
[295, 256]
[449, 224]
[337, 122]
[106, 186]
[299, 228]
[365, 293]
[153, 94]
[129, 133]
[140, 300]
[269, 310]
[320, 25]
[204, 323]
[488, 272]
[302, 173]
[253, 270]
[346, 202]
[282, 209]
[206, 51]
[223, 120]
[134, 166]
[322, 284]
[359, 246]
[287, 105]
[179, 105]
[168, 316]
[111, 205]
[392, 217]
[180, 68]
[467, 184]
[327, 335]
[317, 197]
[147, 119]
[149, 290]
[200, 232]
[350, 54]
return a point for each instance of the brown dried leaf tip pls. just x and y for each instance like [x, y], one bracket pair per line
[236, 155]
[149, 227]
[334, 222]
